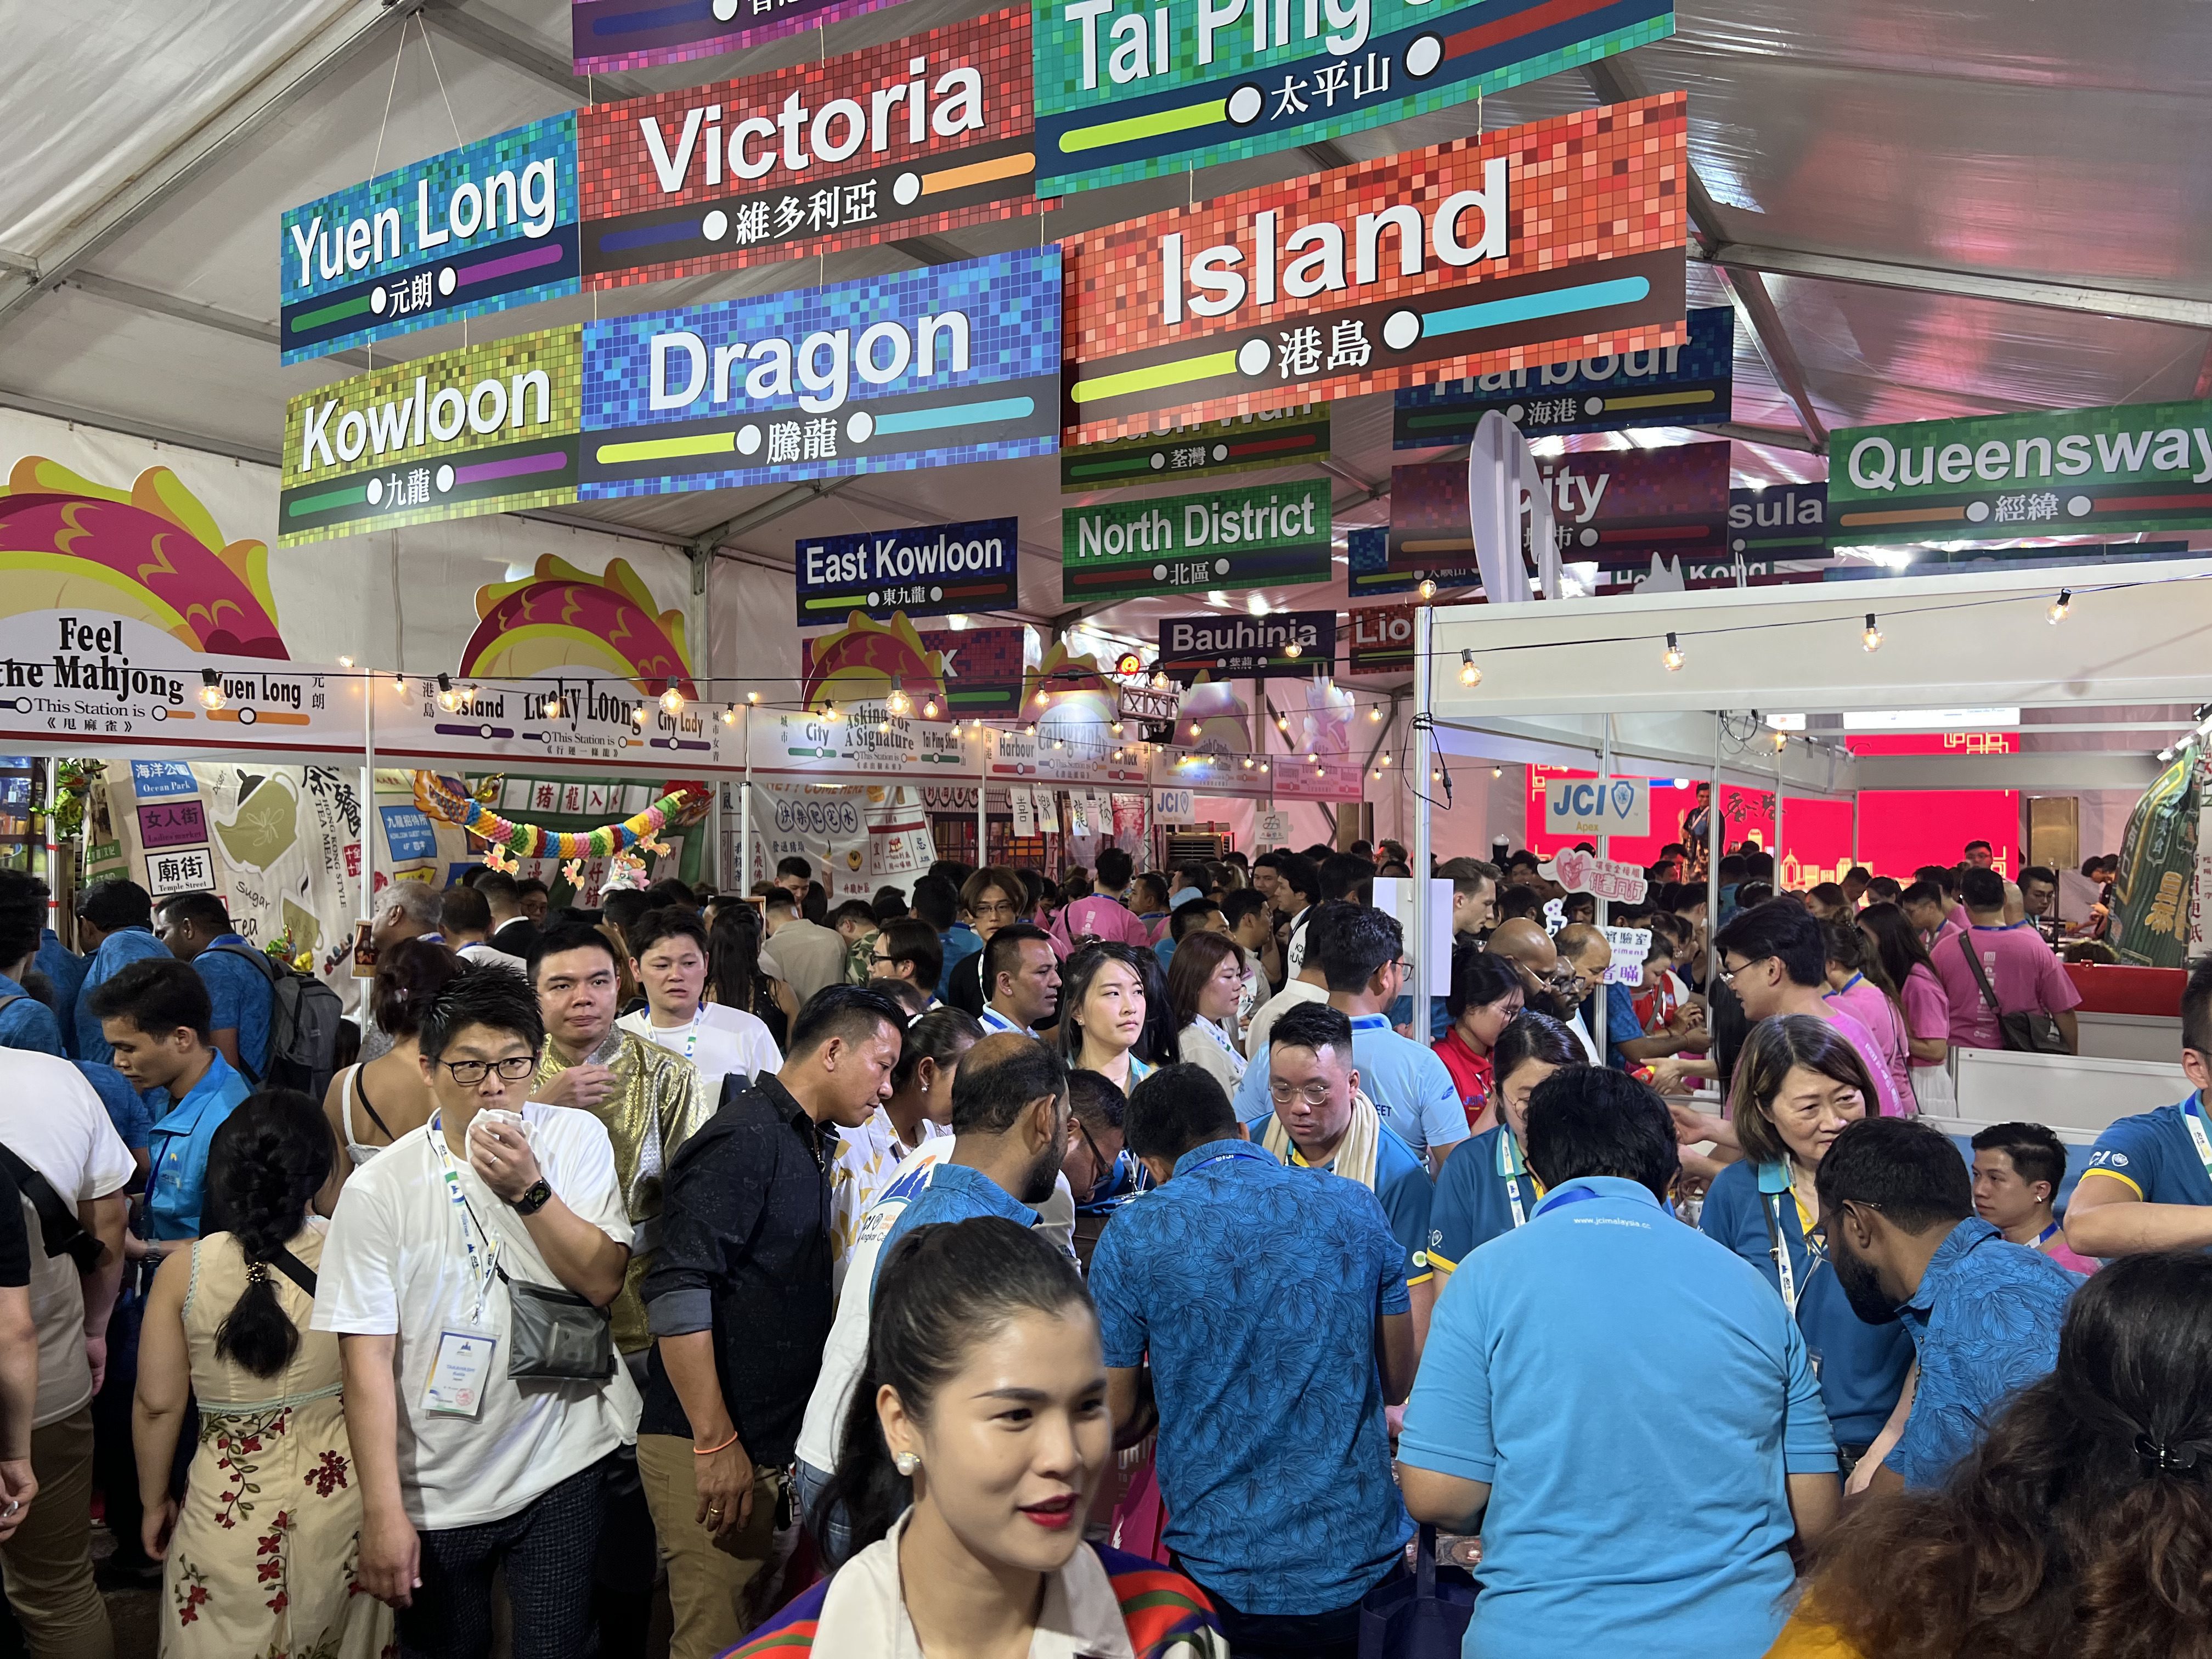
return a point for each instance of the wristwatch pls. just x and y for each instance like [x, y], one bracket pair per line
[535, 1199]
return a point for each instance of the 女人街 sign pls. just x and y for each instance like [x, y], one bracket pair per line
[1201, 449]
[1129, 91]
[2066, 472]
[1613, 507]
[931, 570]
[1558, 239]
[927, 367]
[480, 228]
[606, 35]
[1266, 535]
[912, 137]
[1224, 645]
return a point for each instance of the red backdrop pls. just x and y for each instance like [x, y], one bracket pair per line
[1901, 829]
[1818, 832]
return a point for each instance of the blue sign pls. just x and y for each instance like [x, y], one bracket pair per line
[480, 228]
[1691, 384]
[153, 780]
[1781, 521]
[1368, 574]
[408, 834]
[928, 368]
[933, 570]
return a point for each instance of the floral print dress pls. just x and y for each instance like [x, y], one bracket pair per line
[264, 1559]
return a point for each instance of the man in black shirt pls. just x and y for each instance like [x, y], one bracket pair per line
[739, 1302]
[19, 1359]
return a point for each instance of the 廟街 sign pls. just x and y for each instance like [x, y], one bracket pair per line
[932, 570]
[1222, 643]
[1559, 239]
[1128, 91]
[1266, 535]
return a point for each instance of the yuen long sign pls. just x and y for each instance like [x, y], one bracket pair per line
[1535, 245]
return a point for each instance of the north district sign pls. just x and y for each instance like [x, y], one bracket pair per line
[1266, 535]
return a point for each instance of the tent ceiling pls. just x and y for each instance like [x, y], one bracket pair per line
[1982, 205]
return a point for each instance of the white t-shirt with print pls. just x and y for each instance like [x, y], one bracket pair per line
[396, 1265]
[727, 1040]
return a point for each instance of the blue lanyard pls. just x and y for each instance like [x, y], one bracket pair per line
[1560, 1200]
[2046, 1234]
[466, 1217]
[1511, 1167]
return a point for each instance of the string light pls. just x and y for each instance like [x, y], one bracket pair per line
[1118, 728]
[977, 726]
[1468, 673]
[1435, 776]
[400, 682]
[1263, 766]
[1196, 729]
[1375, 714]
[345, 662]
[637, 713]
[752, 696]
[210, 689]
[1673, 654]
[1058, 743]
[468, 692]
[1283, 724]
[1872, 637]
[929, 707]
[1032, 729]
[448, 699]
[829, 710]
[730, 716]
[1427, 590]
[1159, 679]
[1043, 698]
[1386, 757]
[1497, 771]
[1378, 773]
[1291, 648]
[1781, 740]
[672, 700]
[553, 707]
[898, 702]
[1248, 763]
[2060, 606]
[883, 726]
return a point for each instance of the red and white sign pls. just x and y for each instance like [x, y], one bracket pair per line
[1608, 878]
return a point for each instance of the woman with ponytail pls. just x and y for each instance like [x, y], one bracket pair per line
[260, 1556]
[974, 1443]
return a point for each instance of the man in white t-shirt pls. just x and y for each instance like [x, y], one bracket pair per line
[463, 1470]
[668, 955]
[55, 1125]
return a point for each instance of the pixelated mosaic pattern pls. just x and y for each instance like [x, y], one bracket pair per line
[1600, 184]
[1671, 501]
[1368, 574]
[1976, 430]
[756, 21]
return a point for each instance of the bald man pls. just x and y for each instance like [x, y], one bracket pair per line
[1584, 955]
[1526, 944]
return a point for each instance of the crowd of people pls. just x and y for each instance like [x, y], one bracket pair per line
[1120, 1265]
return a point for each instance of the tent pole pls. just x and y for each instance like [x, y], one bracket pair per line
[1425, 622]
[745, 808]
[1713, 867]
[369, 797]
[1600, 1029]
[1778, 821]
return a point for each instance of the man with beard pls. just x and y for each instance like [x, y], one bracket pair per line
[1906, 1243]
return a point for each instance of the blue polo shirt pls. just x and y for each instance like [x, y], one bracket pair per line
[1256, 1291]
[1861, 1367]
[1401, 1187]
[179, 1147]
[1621, 1025]
[960, 943]
[65, 971]
[2156, 1155]
[1985, 1320]
[1475, 1195]
[126, 1108]
[243, 998]
[28, 1022]
[1407, 1083]
[116, 952]
[1634, 1396]
[955, 1193]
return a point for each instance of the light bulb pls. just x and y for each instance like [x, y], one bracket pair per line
[1159, 680]
[1673, 654]
[1427, 590]
[637, 713]
[400, 682]
[929, 707]
[883, 726]
[1263, 766]
[468, 692]
[210, 689]
[1386, 757]
[730, 716]
[1378, 773]
[1291, 648]
[1375, 714]
[752, 696]
[1435, 776]
[1117, 754]
[553, 707]
[345, 662]
[1043, 698]
[1196, 729]
[1872, 638]
[672, 700]
[1118, 728]
[829, 710]
[1468, 673]
[1032, 728]
[1059, 743]
[898, 702]
[448, 699]
[1312, 759]
[1497, 771]
[1282, 723]
[1248, 763]
[2060, 606]
[976, 724]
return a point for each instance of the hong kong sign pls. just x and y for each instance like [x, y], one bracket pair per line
[933, 570]
[1132, 90]
[1689, 385]
[625, 35]
[909, 138]
[1283, 642]
[1266, 535]
[480, 228]
[1202, 449]
[1529, 245]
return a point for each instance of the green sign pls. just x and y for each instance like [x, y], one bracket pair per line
[1204, 449]
[1268, 536]
[1998, 477]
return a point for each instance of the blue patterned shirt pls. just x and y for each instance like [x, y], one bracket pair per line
[64, 970]
[28, 1022]
[1256, 1290]
[1985, 1320]
[119, 949]
[955, 1193]
[243, 999]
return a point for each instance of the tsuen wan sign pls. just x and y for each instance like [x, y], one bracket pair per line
[1268, 536]
[2074, 472]
[909, 138]
[1282, 643]
[1534, 245]
[1611, 507]
[933, 570]
[607, 35]
[477, 229]
[924, 368]
[1202, 449]
[1689, 385]
[1129, 89]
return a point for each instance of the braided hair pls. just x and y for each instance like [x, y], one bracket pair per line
[265, 1165]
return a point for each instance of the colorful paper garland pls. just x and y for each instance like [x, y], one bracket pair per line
[449, 802]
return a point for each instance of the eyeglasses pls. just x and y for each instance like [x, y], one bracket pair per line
[1099, 1163]
[1727, 974]
[880, 960]
[993, 908]
[1314, 1094]
[469, 1073]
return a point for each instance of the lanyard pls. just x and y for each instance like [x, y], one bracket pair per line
[1559, 1200]
[465, 1215]
[691, 1037]
[1237, 1061]
[2192, 1114]
[1511, 1169]
[2043, 1239]
[1786, 1271]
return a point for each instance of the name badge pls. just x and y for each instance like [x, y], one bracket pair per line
[457, 1377]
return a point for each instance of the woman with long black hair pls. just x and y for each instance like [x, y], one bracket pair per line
[733, 976]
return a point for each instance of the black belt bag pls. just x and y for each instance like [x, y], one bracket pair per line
[555, 1335]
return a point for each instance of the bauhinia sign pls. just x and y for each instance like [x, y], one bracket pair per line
[1267, 536]
[1534, 245]
[1223, 645]
[1997, 477]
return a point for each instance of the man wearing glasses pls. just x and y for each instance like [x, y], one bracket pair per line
[910, 951]
[1773, 957]
[992, 899]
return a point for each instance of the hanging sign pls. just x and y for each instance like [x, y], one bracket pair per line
[2066, 472]
[1562, 238]
[1272, 829]
[926, 367]
[607, 35]
[982, 669]
[481, 228]
[1630, 945]
[1586, 872]
[1129, 92]
[1281, 642]
[1048, 810]
[1781, 521]
[1204, 449]
[1022, 799]
[1175, 807]
[1613, 508]
[1130, 823]
[932, 570]
[1383, 638]
[909, 138]
[1584, 806]
[1688, 385]
[1262, 535]
[864, 737]
[1368, 574]
[488, 429]
[1157, 706]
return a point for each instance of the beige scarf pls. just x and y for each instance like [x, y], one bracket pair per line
[1355, 1153]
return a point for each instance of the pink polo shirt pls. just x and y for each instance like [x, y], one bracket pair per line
[1874, 1054]
[1866, 1004]
[2022, 970]
[1927, 1009]
[1101, 917]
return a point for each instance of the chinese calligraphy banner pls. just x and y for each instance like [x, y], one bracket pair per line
[1368, 574]
[933, 570]
[480, 228]
[1282, 642]
[909, 138]
[1533, 245]
[2068, 472]
[1129, 91]
[1266, 535]
[926, 368]
[489, 428]
[1613, 507]
[1689, 385]
[1206, 449]
[607, 35]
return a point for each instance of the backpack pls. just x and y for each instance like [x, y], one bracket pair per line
[303, 1026]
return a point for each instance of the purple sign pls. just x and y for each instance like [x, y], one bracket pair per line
[626, 35]
[172, 823]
